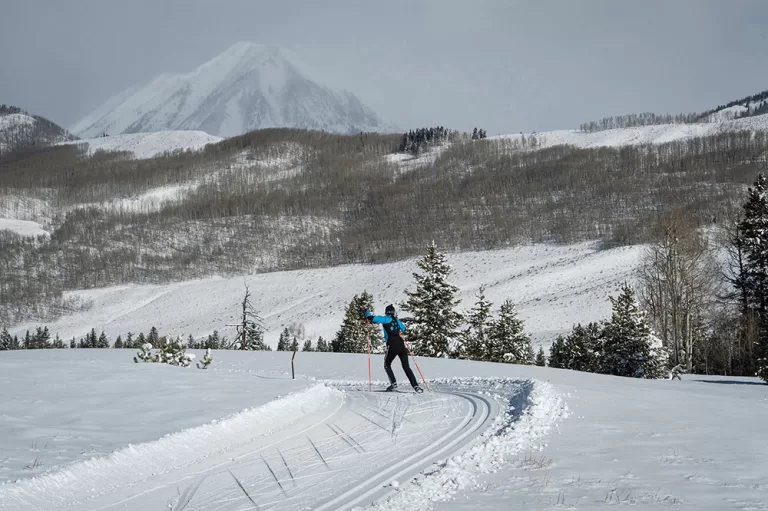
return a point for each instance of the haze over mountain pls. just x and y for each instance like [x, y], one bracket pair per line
[249, 86]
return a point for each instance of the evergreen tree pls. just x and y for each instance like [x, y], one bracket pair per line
[102, 342]
[41, 338]
[355, 331]
[284, 343]
[29, 342]
[474, 344]
[294, 345]
[58, 343]
[191, 344]
[508, 342]
[153, 337]
[432, 305]
[6, 341]
[129, 343]
[140, 341]
[73, 343]
[753, 238]
[322, 346]
[206, 360]
[254, 338]
[307, 345]
[213, 341]
[629, 348]
[92, 340]
[119, 342]
[541, 358]
[581, 350]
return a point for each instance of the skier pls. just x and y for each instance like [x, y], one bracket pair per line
[395, 346]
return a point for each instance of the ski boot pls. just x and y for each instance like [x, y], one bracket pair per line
[417, 389]
[391, 388]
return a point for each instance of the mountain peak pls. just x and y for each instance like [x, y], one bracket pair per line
[248, 86]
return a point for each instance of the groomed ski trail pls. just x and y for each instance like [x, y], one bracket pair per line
[332, 446]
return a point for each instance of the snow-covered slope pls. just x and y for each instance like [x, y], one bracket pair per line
[244, 435]
[656, 134]
[554, 287]
[22, 227]
[247, 87]
[20, 129]
[147, 145]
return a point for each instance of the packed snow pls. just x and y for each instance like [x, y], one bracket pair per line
[148, 145]
[22, 227]
[89, 429]
[553, 287]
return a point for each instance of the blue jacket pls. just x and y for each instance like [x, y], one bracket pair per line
[384, 320]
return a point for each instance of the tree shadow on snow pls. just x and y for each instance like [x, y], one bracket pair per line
[732, 382]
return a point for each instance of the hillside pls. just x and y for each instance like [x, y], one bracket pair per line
[149, 145]
[20, 130]
[247, 87]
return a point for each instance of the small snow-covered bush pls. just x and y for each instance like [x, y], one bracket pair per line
[145, 355]
[175, 353]
[206, 360]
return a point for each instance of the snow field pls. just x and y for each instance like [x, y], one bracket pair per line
[553, 288]
[22, 227]
[149, 145]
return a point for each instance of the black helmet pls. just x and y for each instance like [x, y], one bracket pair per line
[390, 310]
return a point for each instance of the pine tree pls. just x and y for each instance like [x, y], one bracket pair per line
[753, 234]
[541, 358]
[213, 341]
[474, 344]
[6, 341]
[508, 341]
[29, 342]
[119, 342]
[294, 345]
[154, 337]
[191, 344]
[322, 346]
[307, 346]
[103, 341]
[92, 340]
[629, 348]
[129, 341]
[355, 331]
[140, 340]
[432, 305]
[41, 338]
[73, 343]
[254, 338]
[58, 343]
[581, 350]
[206, 360]
[284, 343]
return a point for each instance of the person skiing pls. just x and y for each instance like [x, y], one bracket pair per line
[395, 346]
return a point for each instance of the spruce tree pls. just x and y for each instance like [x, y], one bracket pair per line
[254, 338]
[474, 340]
[581, 350]
[433, 307]
[294, 345]
[629, 348]
[6, 341]
[103, 342]
[119, 342]
[153, 338]
[92, 340]
[355, 331]
[140, 341]
[213, 341]
[307, 345]
[29, 342]
[753, 237]
[557, 353]
[58, 343]
[508, 341]
[322, 346]
[73, 343]
[284, 343]
[541, 358]
[129, 341]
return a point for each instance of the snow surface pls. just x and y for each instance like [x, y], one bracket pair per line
[148, 145]
[22, 227]
[89, 429]
[553, 287]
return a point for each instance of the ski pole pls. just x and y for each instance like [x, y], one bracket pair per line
[417, 365]
[370, 383]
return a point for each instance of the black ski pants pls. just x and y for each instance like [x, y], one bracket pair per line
[396, 348]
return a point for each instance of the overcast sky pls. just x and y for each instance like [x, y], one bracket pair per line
[508, 66]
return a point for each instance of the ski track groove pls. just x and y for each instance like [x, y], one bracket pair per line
[439, 424]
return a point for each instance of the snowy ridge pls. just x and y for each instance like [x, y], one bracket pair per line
[247, 87]
[149, 145]
[656, 134]
[22, 227]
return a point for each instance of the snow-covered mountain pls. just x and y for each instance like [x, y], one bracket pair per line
[249, 86]
[19, 129]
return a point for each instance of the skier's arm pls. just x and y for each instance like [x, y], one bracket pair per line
[383, 320]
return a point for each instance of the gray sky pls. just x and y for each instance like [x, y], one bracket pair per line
[507, 66]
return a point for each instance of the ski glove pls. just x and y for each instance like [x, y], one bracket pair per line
[368, 315]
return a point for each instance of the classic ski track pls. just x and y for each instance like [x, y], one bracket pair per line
[373, 488]
[384, 415]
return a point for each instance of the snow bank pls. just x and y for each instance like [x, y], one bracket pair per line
[22, 227]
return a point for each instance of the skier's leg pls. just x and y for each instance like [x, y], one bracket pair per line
[403, 354]
[388, 358]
